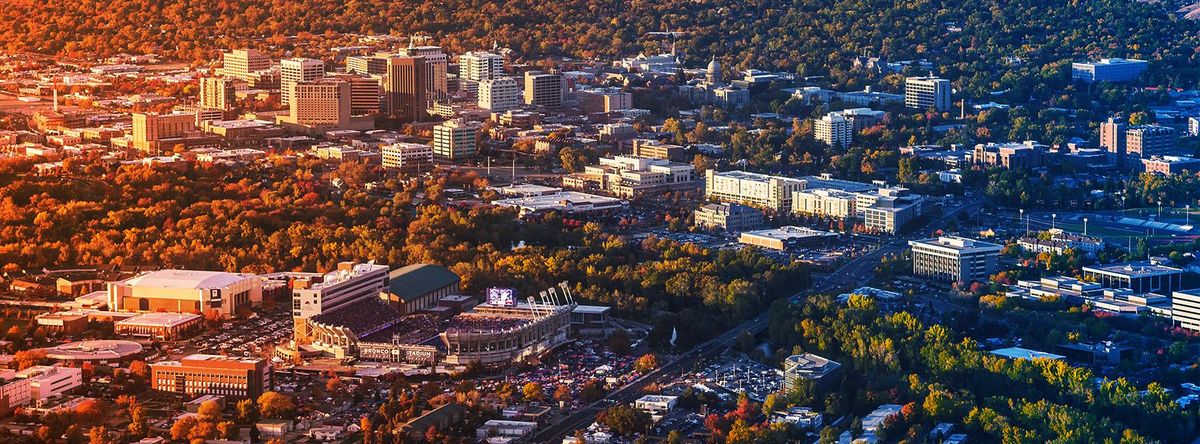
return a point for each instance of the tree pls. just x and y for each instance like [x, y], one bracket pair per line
[625, 420]
[275, 405]
[573, 160]
[183, 428]
[771, 404]
[533, 391]
[591, 391]
[98, 435]
[29, 358]
[645, 364]
[139, 369]
[209, 411]
[227, 430]
[247, 411]
[619, 342]
[562, 394]
[137, 420]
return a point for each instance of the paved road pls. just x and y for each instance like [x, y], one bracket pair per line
[853, 274]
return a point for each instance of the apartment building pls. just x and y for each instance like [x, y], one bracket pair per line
[759, 190]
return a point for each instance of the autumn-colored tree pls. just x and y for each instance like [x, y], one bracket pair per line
[209, 411]
[183, 428]
[646, 363]
[533, 391]
[275, 405]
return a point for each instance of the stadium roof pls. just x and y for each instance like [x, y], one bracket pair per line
[187, 279]
[417, 280]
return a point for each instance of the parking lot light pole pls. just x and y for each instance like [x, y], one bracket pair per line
[1085, 226]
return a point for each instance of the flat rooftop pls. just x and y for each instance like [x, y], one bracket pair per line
[156, 319]
[1133, 269]
[789, 232]
[561, 200]
[956, 243]
[1024, 353]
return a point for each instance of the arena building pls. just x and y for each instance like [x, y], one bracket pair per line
[186, 291]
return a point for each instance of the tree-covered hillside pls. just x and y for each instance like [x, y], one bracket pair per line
[968, 39]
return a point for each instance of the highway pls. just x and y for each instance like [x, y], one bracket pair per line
[855, 273]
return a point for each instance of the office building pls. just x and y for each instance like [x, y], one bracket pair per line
[604, 100]
[1028, 154]
[478, 66]
[889, 210]
[1108, 70]
[1170, 165]
[405, 89]
[35, 384]
[565, 202]
[1112, 136]
[658, 150]
[1141, 276]
[1185, 309]
[631, 176]
[407, 157]
[160, 326]
[656, 404]
[370, 65]
[729, 217]
[499, 94]
[334, 291]
[927, 92]
[954, 259]
[543, 89]
[365, 93]
[149, 130]
[455, 139]
[760, 190]
[201, 374]
[322, 103]
[217, 93]
[787, 238]
[186, 291]
[243, 64]
[296, 70]
[1149, 140]
[436, 62]
[833, 129]
[809, 368]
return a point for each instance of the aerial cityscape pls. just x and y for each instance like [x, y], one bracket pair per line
[586, 222]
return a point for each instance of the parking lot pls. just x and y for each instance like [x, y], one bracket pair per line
[248, 337]
[745, 375]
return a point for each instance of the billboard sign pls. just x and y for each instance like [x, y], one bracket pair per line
[504, 297]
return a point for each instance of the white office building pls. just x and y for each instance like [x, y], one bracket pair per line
[480, 65]
[407, 156]
[296, 70]
[833, 129]
[954, 259]
[499, 94]
[927, 92]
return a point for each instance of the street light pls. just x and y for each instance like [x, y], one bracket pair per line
[1022, 210]
[1160, 209]
[1085, 226]
[1187, 215]
[1053, 218]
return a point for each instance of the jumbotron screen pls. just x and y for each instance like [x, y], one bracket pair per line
[506, 297]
